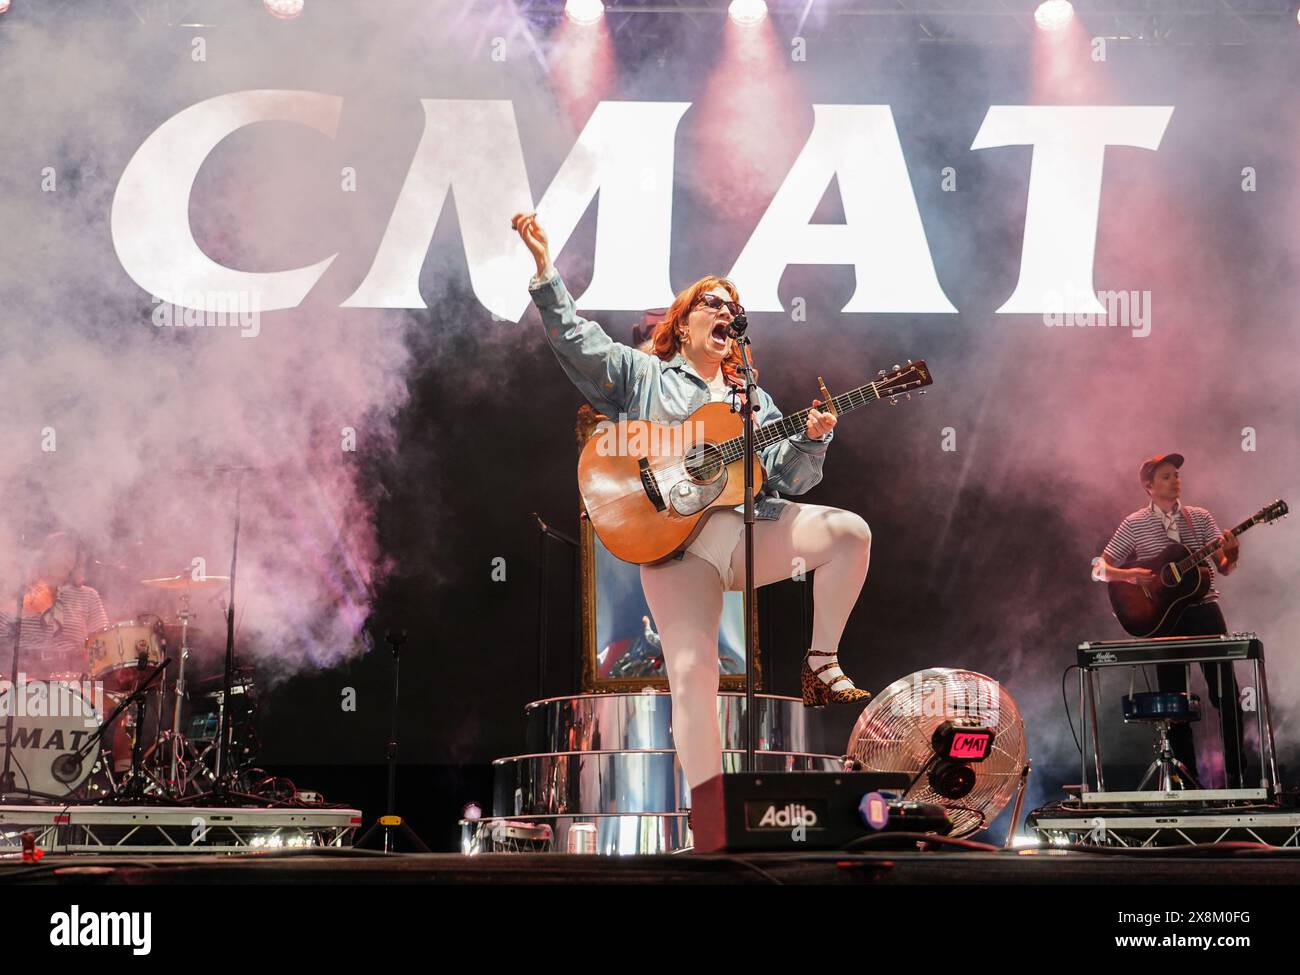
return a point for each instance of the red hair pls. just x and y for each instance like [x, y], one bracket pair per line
[666, 340]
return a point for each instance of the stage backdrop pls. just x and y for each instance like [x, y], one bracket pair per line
[265, 267]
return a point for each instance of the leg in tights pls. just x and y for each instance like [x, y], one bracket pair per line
[834, 542]
[685, 598]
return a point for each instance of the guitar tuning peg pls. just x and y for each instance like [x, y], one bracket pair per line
[897, 367]
[881, 374]
[909, 362]
[921, 393]
[893, 401]
[909, 396]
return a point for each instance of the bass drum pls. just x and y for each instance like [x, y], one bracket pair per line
[43, 760]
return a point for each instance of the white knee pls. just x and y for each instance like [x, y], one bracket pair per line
[854, 531]
[693, 671]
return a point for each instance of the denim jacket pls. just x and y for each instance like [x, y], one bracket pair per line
[618, 379]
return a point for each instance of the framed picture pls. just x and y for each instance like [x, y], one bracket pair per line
[620, 637]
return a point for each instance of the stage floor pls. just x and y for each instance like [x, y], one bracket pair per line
[888, 868]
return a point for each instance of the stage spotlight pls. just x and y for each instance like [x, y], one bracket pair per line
[584, 12]
[746, 13]
[1053, 14]
[284, 9]
[4, 5]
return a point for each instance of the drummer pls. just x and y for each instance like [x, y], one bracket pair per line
[59, 612]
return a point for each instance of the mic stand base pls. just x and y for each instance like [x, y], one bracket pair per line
[392, 824]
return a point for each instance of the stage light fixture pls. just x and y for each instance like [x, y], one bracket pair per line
[1054, 14]
[4, 6]
[584, 12]
[746, 13]
[284, 9]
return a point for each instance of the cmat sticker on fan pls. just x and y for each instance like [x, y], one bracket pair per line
[957, 733]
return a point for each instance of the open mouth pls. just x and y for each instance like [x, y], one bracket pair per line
[719, 333]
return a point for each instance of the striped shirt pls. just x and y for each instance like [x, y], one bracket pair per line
[54, 641]
[1143, 535]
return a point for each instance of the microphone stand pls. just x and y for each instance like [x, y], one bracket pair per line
[737, 330]
[8, 785]
[224, 791]
[391, 823]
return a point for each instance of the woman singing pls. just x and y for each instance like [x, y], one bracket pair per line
[695, 361]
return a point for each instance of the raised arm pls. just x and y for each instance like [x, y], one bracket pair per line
[604, 371]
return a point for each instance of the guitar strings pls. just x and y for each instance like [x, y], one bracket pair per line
[761, 440]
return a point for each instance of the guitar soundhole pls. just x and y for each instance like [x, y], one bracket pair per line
[704, 462]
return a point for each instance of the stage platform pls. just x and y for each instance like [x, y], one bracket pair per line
[94, 829]
[883, 868]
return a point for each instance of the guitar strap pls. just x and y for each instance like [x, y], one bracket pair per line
[1191, 529]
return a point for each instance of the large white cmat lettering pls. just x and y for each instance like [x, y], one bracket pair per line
[471, 148]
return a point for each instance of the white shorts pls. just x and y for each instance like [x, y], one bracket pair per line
[717, 541]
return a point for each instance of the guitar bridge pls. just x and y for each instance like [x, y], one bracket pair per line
[650, 486]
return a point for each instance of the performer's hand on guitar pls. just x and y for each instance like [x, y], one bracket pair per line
[1230, 552]
[1142, 577]
[534, 238]
[819, 423]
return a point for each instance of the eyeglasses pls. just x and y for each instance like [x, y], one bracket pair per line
[717, 304]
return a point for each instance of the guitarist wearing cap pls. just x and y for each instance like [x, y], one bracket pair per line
[1144, 535]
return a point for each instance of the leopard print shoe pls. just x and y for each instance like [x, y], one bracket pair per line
[817, 693]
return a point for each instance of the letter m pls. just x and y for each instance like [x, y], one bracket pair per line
[470, 149]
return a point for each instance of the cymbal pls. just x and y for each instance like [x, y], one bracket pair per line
[188, 582]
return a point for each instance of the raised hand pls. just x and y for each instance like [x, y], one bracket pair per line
[534, 238]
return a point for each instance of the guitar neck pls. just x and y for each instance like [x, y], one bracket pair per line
[788, 426]
[1205, 551]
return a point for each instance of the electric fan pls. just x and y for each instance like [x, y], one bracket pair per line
[957, 733]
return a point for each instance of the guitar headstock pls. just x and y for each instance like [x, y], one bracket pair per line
[1270, 513]
[903, 380]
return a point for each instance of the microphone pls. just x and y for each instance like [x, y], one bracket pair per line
[736, 327]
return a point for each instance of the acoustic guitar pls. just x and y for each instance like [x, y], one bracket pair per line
[648, 487]
[1182, 579]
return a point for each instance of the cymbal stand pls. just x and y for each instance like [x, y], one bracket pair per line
[177, 742]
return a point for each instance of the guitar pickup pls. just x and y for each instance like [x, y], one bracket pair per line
[649, 485]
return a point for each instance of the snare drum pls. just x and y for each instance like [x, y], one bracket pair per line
[121, 655]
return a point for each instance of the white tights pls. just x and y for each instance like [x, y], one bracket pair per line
[686, 599]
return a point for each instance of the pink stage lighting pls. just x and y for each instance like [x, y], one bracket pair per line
[584, 12]
[746, 13]
[4, 5]
[284, 9]
[1054, 14]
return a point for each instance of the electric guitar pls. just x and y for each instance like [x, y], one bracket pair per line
[648, 487]
[1181, 580]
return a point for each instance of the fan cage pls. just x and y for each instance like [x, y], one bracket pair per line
[893, 734]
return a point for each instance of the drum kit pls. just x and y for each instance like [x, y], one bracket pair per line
[151, 739]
